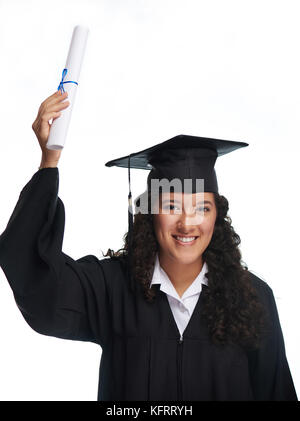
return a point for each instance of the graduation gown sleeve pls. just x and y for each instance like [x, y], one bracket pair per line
[269, 369]
[57, 295]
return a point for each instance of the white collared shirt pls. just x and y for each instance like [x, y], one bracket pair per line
[182, 307]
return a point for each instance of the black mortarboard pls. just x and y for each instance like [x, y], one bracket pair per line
[181, 157]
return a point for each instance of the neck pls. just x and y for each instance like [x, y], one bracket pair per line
[180, 274]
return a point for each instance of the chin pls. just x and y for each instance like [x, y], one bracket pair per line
[186, 258]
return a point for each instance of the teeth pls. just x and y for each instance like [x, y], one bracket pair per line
[185, 239]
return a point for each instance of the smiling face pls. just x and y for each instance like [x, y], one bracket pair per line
[185, 232]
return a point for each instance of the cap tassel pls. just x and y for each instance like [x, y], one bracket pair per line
[130, 229]
[130, 215]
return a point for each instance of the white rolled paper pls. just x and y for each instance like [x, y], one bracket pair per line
[59, 127]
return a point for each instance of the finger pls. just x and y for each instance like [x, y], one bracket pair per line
[47, 116]
[58, 107]
[46, 108]
[55, 117]
[60, 95]
[56, 97]
[56, 93]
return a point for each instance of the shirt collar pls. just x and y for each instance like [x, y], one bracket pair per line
[160, 277]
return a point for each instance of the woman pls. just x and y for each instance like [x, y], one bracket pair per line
[176, 313]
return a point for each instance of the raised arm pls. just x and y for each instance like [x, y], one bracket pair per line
[57, 295]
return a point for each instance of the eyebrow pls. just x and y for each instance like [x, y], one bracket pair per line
[178, 201]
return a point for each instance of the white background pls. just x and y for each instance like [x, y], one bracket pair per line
[153, 69]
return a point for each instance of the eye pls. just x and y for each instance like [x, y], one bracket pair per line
[201, 207]
[171, 208]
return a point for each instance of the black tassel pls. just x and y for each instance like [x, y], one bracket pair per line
[130, 232]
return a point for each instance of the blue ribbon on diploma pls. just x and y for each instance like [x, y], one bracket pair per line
[62, 82]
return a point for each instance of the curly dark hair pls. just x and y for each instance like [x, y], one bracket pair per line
[231, 308]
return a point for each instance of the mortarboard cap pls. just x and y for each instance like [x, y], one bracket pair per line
[182, 157]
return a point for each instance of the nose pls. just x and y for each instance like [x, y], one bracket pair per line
[186, 225]
[186, 220]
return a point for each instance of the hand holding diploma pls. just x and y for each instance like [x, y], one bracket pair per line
[51, 137]
[51, 108]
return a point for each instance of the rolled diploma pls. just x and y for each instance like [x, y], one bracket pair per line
[59, 127]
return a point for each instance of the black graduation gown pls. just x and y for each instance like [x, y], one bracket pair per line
[90, 300]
